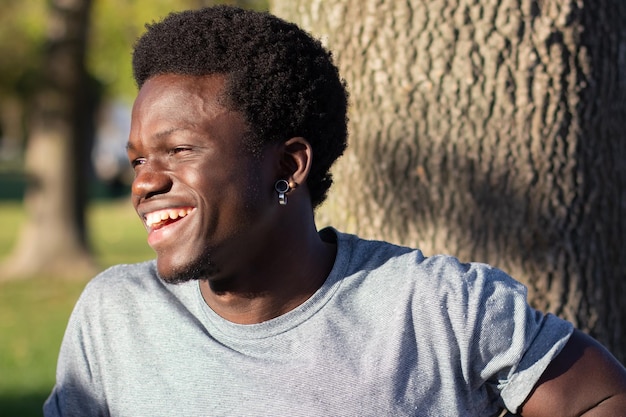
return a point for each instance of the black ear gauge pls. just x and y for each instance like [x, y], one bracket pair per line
[282, 187]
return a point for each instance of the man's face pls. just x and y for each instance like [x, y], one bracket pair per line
[205, 200]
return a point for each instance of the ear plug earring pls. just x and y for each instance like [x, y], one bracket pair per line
[282, 187]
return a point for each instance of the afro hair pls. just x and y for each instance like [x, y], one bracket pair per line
[280, 78]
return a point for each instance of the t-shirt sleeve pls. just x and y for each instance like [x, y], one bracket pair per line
[551, 335]
[512, 343]
[76, 391]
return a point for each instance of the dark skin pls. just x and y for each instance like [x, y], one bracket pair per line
[583, 380]
[256, 259]
[189, 154]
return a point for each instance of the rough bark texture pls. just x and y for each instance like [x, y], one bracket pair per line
[53, 240]
[490, 130]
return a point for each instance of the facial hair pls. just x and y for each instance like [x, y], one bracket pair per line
[200, 268]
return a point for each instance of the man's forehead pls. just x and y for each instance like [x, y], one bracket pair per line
[169, 92]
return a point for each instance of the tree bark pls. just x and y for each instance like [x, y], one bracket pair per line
[489, 130]
[53, 240]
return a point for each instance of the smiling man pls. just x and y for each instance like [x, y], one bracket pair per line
[248, 310]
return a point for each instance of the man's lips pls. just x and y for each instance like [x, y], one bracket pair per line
[161, 218]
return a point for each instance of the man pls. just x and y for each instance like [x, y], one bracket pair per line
[248, 310]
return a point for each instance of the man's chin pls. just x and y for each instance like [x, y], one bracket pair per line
[184, 273]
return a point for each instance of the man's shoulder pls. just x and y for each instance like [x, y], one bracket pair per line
[121, 281]
[404, 268]
[368, 251]
[125, 274]
[373, 254]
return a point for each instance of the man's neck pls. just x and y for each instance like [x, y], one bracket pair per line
[275, 289]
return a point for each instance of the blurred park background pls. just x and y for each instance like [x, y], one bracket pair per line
[36, 68]
[492, 130]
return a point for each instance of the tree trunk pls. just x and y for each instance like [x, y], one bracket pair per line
[11, 128]
[493, 131]
[53, 240]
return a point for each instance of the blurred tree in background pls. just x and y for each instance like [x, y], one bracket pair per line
[21, 36]
[60, 102]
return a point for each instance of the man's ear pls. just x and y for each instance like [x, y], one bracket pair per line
[295, 161]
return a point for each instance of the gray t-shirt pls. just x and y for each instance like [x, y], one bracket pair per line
[390, 333]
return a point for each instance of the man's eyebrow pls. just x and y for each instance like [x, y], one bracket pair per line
[165, 133]
[159, 135]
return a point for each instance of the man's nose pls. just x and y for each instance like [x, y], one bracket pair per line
[151, 180]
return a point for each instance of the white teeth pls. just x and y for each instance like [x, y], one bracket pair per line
[157, 217]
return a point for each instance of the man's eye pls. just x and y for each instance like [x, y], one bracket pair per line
[138, 161]
[179, 149]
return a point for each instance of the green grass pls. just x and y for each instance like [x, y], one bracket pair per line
[34, 312]
[117, 235]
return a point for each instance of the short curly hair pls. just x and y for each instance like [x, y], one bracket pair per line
[279, 77]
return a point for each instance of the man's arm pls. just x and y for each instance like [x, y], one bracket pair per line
[583, 380]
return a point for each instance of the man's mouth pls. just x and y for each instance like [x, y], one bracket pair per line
[160, 218]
